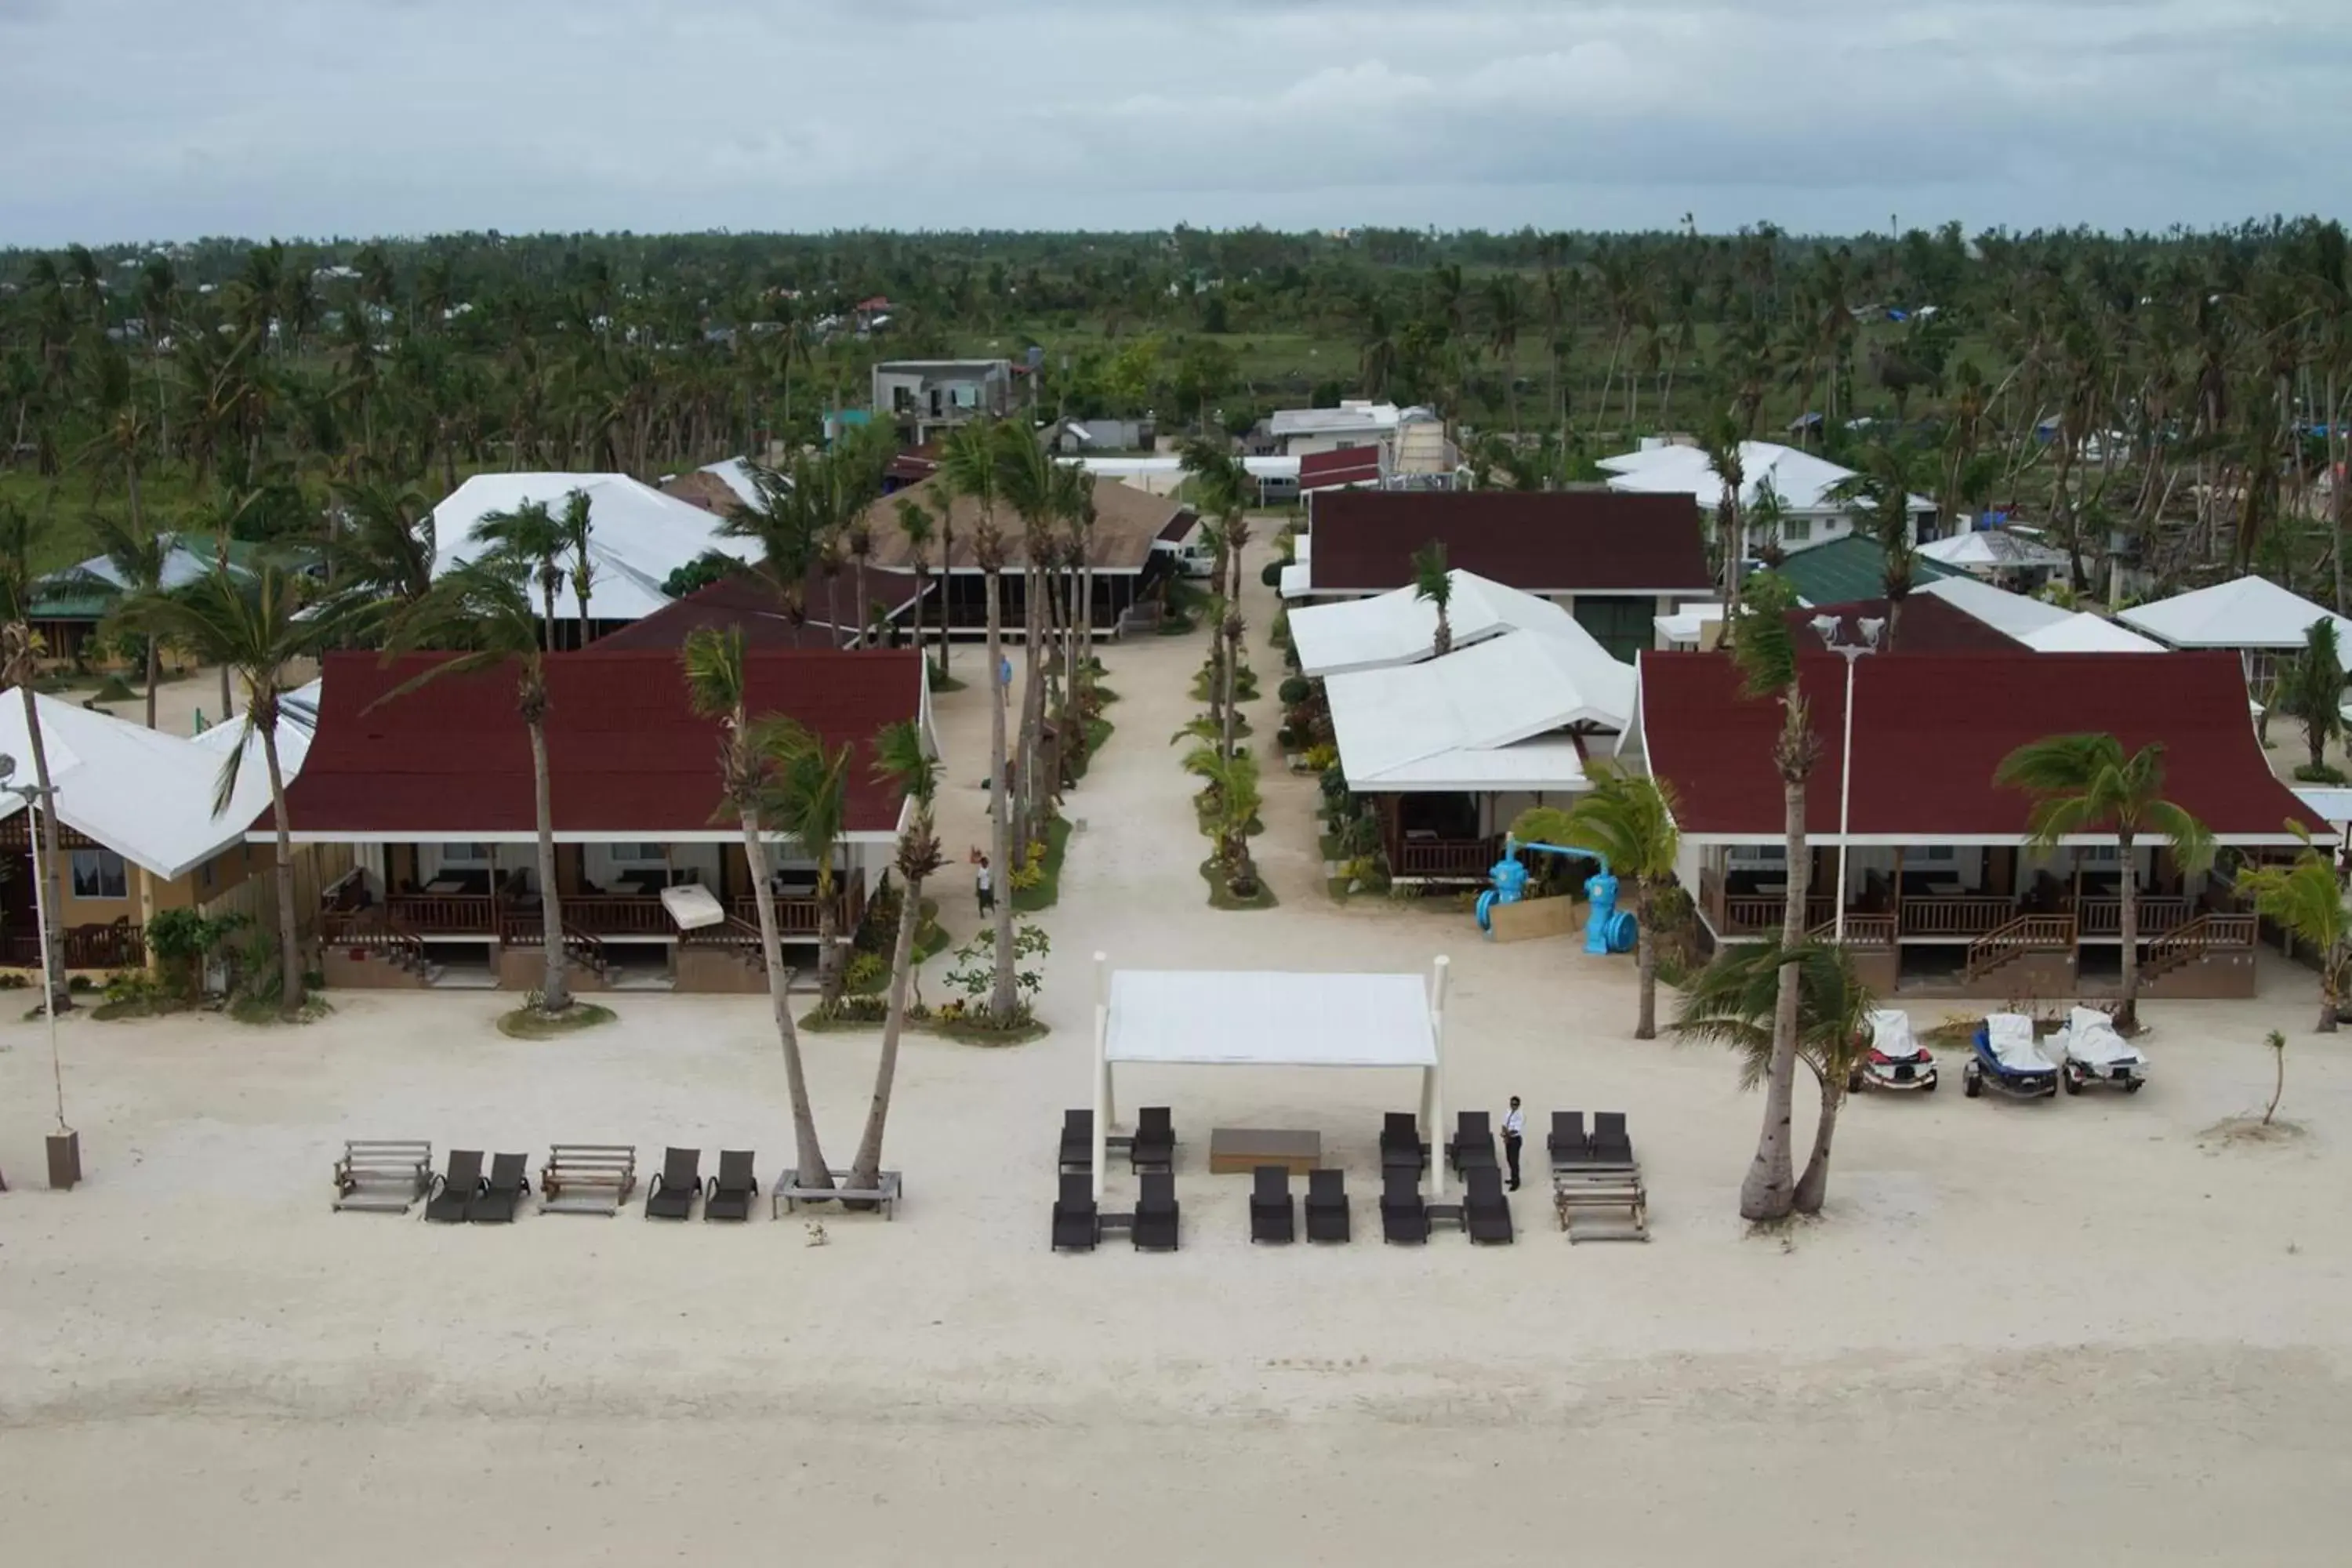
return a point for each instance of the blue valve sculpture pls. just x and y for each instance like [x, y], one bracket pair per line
[1607, 927]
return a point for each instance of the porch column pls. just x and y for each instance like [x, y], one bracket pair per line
[146, 897]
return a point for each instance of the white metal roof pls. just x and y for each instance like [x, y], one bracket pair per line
[1269, 1018]
[1688, 625]
[1400, 627]
[1296, 580]
[1448, 723]
[145, 794]
[1351, 415]
[2084, 632]
[2334, 804]
[1127, 466]
[1991, 547]
[2014, 614]
[2248, 612]
[735, 473]
[1801, 480]
[638, 536]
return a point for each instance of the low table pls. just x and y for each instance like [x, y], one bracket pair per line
[1234, 1151]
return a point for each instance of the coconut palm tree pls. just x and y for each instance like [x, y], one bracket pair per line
[138, 558]
[1235, 799]
[2082, 783]
[482, 611]
[531, 536]
[901, 756]
[1237, 538]
[921, 528]
[969, 467]
[1722, 444]
[1431, 581]
[1220, 485]
[578, 525]
[858, 539]
[2306, 900]
[1878, 498]
[804, 795]
[713, 661]
[382, 550]
[1732, 1001]
[20, 651]
[1026, 480]
[2311, 691]
[1629, 820]
[1767, 659]
[255, 624]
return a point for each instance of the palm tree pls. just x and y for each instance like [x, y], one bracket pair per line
[857, 538]
[577, 526]
[1879, 499]
[2310, 690]
[483, 610]
[1026, 480]
[1431, 581]
[530, 536]
[1220, 487]
[383, 551]
[969, 467]
[1235, 799]
[255, 624]
[2307, 900]
[804, 795]
[1722, 446]
[1729, 1001]
[1628, 819]
[20, 651]
[1767, 657]
[713, 661]
[138, 558]
[1237, 538]
[901, 757]
[921, 528]
[1506, 314]
[2082, 783]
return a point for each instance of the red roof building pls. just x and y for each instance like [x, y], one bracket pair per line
[750, 606]
[1339, 469]
[1927, 625]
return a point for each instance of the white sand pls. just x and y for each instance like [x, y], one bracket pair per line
[2066, 1332]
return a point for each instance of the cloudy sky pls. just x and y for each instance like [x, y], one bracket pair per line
[168, 119]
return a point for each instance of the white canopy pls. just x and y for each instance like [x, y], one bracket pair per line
[2084, 632]
[1455, 724]
[1801, 480]
[2248, 612]
[1400, 627]
[2014, 614]
[638, 536]
[1988, 548]
[1686, 627]
[1206, 1018]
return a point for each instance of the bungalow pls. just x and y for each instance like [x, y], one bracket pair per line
[1614, 562]
[2253, 617]
[434, 793]
[1804, 487]
[69, 604]
[1921, 865]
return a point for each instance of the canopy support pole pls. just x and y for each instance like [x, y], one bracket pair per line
[1432, 1092]
[1102, 1069]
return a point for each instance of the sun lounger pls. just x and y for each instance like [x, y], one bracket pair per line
[1487, 1212]
[450, 1194]
[1327, 1205]
[1473, 1144]
[587, 1178]
[1567, 1144]
[676, 1185]
[1153, 1147]
[1404, 1217]
[731, 1191]
[1271, 1216]
[505, 1189]
[1077, 1224]
[386, 1175]
[1155, 1213]
[1400, 1144]
[1077, 1153]
[1612, 1145]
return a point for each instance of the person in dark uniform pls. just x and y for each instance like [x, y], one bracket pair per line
[1515, 1127]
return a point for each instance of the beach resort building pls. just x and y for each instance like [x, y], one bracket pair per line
[1802, 487]
[2251, 617]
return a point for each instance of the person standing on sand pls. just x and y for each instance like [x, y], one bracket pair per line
[986, 884]
[1515, 1127]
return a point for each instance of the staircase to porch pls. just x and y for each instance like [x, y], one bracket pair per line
[2186, 943]
[2026, 935]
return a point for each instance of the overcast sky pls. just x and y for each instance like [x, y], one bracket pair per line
[171, 119]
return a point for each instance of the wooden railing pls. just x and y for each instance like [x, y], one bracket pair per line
[437, 912]
[1861, 929]
[612, 914]
[85, 947]
[740, 936]
[796, 917]
[367, 929]
[2186, 942]
[2104, 916]
[1751, 912]
[2027, 933]
[1964, 915]
[1468, 859]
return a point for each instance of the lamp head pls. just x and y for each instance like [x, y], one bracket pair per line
[1871, 629]
[1826, 628]
[7, 767]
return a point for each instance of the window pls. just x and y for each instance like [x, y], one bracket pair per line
[1758, 855]
[639, 855]
[465, 853]
[1936, 852]
[1796, 531]
[98, 874]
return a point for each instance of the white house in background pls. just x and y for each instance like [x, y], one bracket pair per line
[1357, 421]
[1802, 483]
[1990, 550]
[1400, 627]
[638, 536]
[2253, 616]
[1451, 750]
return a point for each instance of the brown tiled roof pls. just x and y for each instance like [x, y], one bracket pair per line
[1555, 542]
[752, 605]
[1126, 520]
[1928, 625]
[708, 492]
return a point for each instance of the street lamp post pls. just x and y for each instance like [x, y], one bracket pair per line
[1828, 627]
[64, 1143]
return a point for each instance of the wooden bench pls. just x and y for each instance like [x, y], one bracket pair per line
[1237, 1151]
[788, 1197]
[1601, 1204]
[384, 1174]
[587, 1178]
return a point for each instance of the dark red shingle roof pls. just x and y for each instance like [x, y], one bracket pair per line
[1541, 541]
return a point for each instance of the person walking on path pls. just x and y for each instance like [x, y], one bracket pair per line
[984, 883]
[1515, 1127]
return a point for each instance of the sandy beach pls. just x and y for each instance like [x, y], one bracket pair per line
[2082, 1329]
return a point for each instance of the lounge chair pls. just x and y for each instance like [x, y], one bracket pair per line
[1153, 1147]
[1567, 1143]
[1612, 1145]
[1473, 1146]
[1077, 1142]
[1271, 1216]
[508, 1184]
[451, 1194]
[1486, 1213]
[1327, 1205]
[1155, 1213]
[1404, 1218]
[1400, 1144]
[1077, 1224]
[730, 1192]
[676, 1185]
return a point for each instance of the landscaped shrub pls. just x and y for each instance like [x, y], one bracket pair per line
[1294, 691]
[1271, 574]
